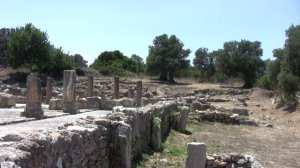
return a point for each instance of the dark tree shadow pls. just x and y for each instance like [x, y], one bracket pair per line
[157, 81]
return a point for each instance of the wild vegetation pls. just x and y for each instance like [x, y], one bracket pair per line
[283, 73]
[29, 47]
[116, 63]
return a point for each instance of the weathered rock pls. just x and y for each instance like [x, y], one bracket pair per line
[34, 97]
[131, 92]
[269, 125]
[69, 94]
[127, 102]
[184, 114]
[139, 93]
[240, 111]
[156, 134]
[7, 100]
[81, 103]
[81, 93]
[90, 86]
[122, 144]
[209, 160]
[49, 89]
[9, 164]
[249, 122]
[196, 155]
[55, 104]
[11, 137]
[116, 88]
[93, 102]
[20, 99]
[112, 141]
[200, 106]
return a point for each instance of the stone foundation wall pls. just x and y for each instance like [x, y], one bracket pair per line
[232, 160]
[111, 141]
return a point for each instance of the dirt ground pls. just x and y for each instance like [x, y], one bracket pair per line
[275, 147]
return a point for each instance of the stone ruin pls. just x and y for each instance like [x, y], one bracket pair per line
[139, 120]
[111, 141]
[197, 158]
[33, 107]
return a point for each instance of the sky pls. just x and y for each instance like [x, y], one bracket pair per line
[91, 27]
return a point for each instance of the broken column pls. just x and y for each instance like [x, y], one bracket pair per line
[130, 92]
[196, 155]
[156, 134]
[69, 92]
[122, 146]
[90, 86]
[34, 97]
[49, 89]
[139, 93]
[183, 118]
[116, 88]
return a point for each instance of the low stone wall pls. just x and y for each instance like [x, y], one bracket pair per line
[223, 117]
[102, 103]
[232, 160]
[213, 116]
[111, 141]
[197, 158]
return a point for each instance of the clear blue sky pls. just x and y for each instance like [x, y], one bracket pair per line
[93, 26]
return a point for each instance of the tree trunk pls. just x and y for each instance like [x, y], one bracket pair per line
[163, 76]
[171, 77]
[31, 64]
[247, 85]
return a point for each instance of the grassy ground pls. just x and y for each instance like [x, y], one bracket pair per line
[264, 143]
[174, 147]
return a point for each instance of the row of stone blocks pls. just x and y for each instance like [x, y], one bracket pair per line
[111, 141]
[68, 104]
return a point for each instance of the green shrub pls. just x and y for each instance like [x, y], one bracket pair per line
[289, 84]
[264, 82]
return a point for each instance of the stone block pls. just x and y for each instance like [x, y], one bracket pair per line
[131, 92]
[127, 102]
[122, 146]
[90, 86]
[196, 155]
[33, 107]
[93, 102]
[81, 103]
[69, 92]
[7, 100]
[184, 114]
[116, 88]
[156, 134]
[139, 93]
[55, 104]
[49, 90]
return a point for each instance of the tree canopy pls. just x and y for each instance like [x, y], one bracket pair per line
[28, 46]
[166, 56]
[116, 63]
[241, 59]
[204, 61]
[289, 76]
[79, 61]
[4, 37]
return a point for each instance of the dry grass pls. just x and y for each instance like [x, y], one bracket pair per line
[272, 147]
